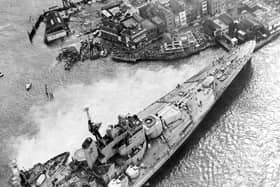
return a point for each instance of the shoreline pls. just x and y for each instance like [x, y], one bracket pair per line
[266, 41]
[164, 57]
[260, 44]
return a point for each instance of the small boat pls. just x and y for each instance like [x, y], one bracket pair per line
[1, 74]
[28, 86]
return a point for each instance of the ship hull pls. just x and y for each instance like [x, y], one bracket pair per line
[163, 161]
[175, 117]
[148, 174]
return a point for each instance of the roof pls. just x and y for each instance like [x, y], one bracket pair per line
[106, 13]
[114, 10]
[226, 19]
[270, 18]
[176, 6]
[137, 17]
[220, 24]
[211, 24]
[148, 24]
[129, 22]
[163, 1]
[138, 3]
[112, 5]
[136, 33]
[253, 22]
[157, 20]
[54, 22]
[165, 10]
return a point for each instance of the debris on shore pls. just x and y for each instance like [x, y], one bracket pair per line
[89, 50]
[70, 56]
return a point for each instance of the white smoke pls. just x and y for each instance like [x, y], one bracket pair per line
[62, 123]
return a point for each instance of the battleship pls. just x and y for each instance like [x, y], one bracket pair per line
[135, 148]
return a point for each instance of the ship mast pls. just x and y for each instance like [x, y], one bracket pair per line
[93, 127]
[87, 112]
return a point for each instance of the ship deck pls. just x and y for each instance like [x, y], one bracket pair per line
[161, 149]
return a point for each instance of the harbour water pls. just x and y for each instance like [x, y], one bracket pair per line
[238, 144]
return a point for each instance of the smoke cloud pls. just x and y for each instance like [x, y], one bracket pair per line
[62, 123]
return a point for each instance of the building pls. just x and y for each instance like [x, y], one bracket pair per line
[135, 35]
[173, 47]
[133, 31]
[267, 18]
[119, 27]
[162, 2]
[168, 16]
[110, 34]
[56, 28]
[146, 11]
[210, 27]
[228, 20]
[192, 12]
[149, 11]
[188, 39]
[182, 18]
[151, 28]
[136, 5]
[216, 6]
[159, 24]
[223, 28]
[271, 21]
[216, 27]
[249, 5]
[178, 9]
[203, 7]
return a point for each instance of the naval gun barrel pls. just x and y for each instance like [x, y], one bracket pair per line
[93, 127]
[87, 112]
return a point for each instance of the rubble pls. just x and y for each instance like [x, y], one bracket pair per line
[70, 56]
[90, 49]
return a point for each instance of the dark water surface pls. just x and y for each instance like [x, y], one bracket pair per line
[238, 144]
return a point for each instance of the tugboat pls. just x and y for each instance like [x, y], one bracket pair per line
[136, 147]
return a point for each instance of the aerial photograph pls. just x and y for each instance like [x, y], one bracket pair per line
[132, 93]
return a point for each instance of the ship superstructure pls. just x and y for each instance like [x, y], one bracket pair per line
[132, 150]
